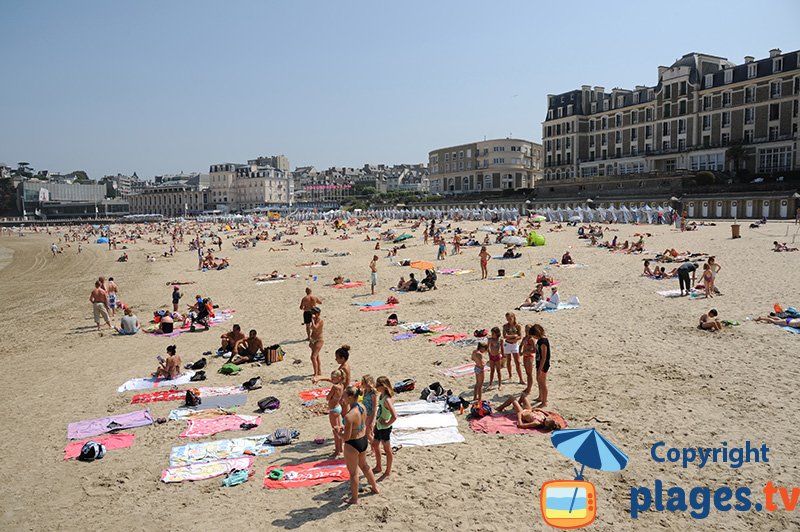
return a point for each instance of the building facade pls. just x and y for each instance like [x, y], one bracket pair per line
[171, 200]
[235, 187]
[705, 113]
[486, 166]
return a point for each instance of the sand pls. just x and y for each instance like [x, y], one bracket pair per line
[628, 362]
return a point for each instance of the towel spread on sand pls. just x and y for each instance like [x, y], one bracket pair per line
[461, 371]
[380, 307]
[308, 474]
[182, 414]
[180, 395]
[425, 421]
[409, 408]
[94, 427]
[793, 330]
[453, 271]
[370, 304]
[420, 438]
[403, 336]
[676, 293]
[110, 441]
[224, 402]
[572, 265]
[317, 393]
[220, 316]
[444, 338]
[155, 382]
[200, 428]
[271, 281]
[417, 324]
[205, 470]
[348, 285]
[506, 423]
[562, 306]
[192, 453]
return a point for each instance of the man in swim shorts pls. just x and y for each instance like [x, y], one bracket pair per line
[99, 301]
[308, 302]
[246, 349]
[373, 273]
[229, 339]
[112, 290]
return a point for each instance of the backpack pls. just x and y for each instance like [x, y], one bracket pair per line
[282, 437]
[480, 333]
[269, 403]
[391, 321]
[404, 386]
[92, 451]
[252, 384]
[200, 364]
[193, 398]
[481, 409]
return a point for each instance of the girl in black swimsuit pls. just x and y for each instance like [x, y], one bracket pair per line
[355, 450]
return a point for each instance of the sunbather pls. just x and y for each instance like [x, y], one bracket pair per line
[786, 322]
[170, 367]
[782, 247]
[246, 349]
[528, 417]
[229, 339]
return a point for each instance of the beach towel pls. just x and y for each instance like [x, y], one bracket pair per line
[317, 393]
[424, 438]
[308, 474]
[444, 338]
[154, 397]
[403, 336]
[669, 293]
[793, 330]
[461, 371]
[192, 453]
[464, 342]
[370, 304]
[409, 408]
[563, 306]
[110, 441]
[572, 265]
[200, 428]
[155, 382]
[221, 401]
[271, 281]
[205, 470]
[94, 427]
[417, 324]
[380, 307]
[182, 414]
[506, 423]
[453, 271]
[425, 421]
[347, 285]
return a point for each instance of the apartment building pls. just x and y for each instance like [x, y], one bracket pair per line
[234, 186]
[485, 166]
[701, 107]
[172, 199]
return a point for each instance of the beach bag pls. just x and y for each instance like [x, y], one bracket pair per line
[199, 376]
[192, 398]
[92, 451]
[481, 410]
[392, 301]
[391, 321]
[269, 403]
[273, 353]
[455, 403]
[282, 437]
[252, 384]
[230, 369]
[404, 386]
[481, 333]
[200, 364]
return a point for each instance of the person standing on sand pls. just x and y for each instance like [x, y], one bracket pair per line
[512, 334]
[484, 256]
[683, 277]
[113, 295]
[715, 268]
[373, 273]
[54, 249]
[308, 303]
[356, 443]
[99, 301]
[315, 341]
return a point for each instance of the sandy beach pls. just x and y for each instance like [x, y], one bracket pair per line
[627, 362]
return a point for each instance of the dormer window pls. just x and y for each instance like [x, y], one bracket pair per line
[752, 70]
[709, 80]
[777, 65]
[728, 75]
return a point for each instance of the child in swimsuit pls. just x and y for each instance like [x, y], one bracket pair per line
[495, 358]
[384, 419]
[335, 410]
[477, 357]
[528, 349]
[708, 280]
[369, 396]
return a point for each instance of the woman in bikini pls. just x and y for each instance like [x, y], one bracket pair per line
[528, 349]
[315, 341]
[542, 362]
[512, 333]
[496, 358]
[356, 443]
[335, 410]
[484, 256]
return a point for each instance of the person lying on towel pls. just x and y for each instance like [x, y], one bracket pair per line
[530, 418]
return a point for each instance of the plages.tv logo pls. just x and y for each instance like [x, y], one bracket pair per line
[570, 504]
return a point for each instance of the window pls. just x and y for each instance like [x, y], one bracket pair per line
[594, 107]
[748, 136]
[775, 159]
[558, 129]
[620, 101]
[665, 145]
[752, 70]
[498, 160]
[648, 114]
[618, 152]
[795, 108]
[567, 143]
[634, 150]
[728, 75]
[635, 97]
[681, 126]
[461, 154]
[667, 110]
[567, 127]
[713, 162]
[603, 139]
[665, 128]
[773, 133]
[706, 122]
[774, 111]
[604, 122]
[446, 156]
[749, 94]
[569, 109]
[648, 132]
[775, 89]
[706, 103]
[749, 113]
[558, 144]
[591, 125]
[682, 107]
[618, 137]
[550, 114]
[726, 139]
[667, 91]
[726, 99]
[635, 116]
[777, 65]
[681, 144]
[560, 112]
[726, 119]
[618, 119]
[591, 141]
[633, 135]
[549, 131]
[797, 85]
[548, 145]
[605, 104]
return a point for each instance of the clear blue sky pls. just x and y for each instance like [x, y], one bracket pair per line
[169, 86]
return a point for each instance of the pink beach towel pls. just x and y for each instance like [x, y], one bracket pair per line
[380, 307]
[445, 338]
[348, 285]
[200, 428]
[94, 427]
[111, 442]
[506, 423]
[461, 371]
[317, 393]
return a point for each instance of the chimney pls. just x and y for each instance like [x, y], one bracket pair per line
[585, 88]
[775, 52]
[661, 71]
[748, 59]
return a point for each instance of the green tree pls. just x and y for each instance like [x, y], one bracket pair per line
[8, 200]
[81, 176]
[736, 153]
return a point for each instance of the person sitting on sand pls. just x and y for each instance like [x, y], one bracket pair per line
[785, 322]
[647, 271]
[551, 303]
[129, 323]
[710, 322]
[123, 258]
[202, 315]
[782, 247]
[536, 295]
[411, 285]
[171, 367]
[566, 258]
[509, 254]
[544, 279]
[230, 339]
[246, 349]
[528, 417]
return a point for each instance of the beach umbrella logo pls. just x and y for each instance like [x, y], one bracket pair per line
[569, 504]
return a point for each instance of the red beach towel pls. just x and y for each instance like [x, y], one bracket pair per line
[443, 339]
[111, 441]
[308, 474]
[379, 307]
